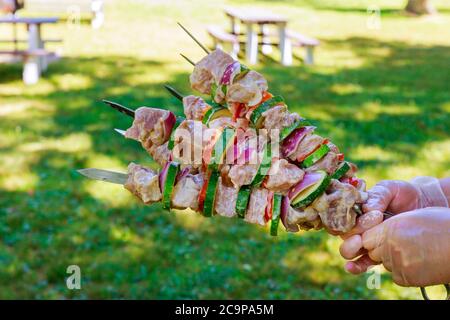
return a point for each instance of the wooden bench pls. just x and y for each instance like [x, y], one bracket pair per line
[32, 65]
[221, 37]
[299, 40]
[71, 9]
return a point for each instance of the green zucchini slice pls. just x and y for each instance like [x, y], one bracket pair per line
[210, 197]
[307, 196]
[172, 172]
[285, 132]
[341, 171]
[276, 213]
[315, 156]
[256, 117]
[242, 201]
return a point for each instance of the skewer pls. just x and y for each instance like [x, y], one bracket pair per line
[120, 131]
[187, 59]
[174, 92]
[120, 108]
[193, 38]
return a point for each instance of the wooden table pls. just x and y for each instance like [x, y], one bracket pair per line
[34, 66]
[253, 18]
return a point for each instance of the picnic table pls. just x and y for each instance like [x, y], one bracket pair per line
[36, 58]
[254, 18]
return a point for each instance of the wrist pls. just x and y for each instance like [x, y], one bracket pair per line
[431, 193]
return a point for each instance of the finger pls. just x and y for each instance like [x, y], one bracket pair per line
[360, 265]
[376, 254]
[365, 222]
[349, 248]
[379, 197]
[374, 237]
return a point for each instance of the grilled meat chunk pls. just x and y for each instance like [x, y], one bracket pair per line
[328, 163]
[256, 207]
[309, 143]
[226, 197]
[340, 216]
[148, 127]
[248, 89]
[144, 183]
[185, 193]
[195, 107]
[283, 175]
[209, 70]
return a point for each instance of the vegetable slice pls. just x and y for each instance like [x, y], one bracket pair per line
[171, 143]
[285, 132]
[264, 166]
[308, 195]
[341, 171]
[208, 205]
[315, 156]
[214, 113]
[242, 201]
[309, 179]
[256, 117]
[172, 172]
[276, 214]
[221, 146]
[291, 143]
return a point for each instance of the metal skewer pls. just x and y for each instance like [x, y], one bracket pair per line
[174, 92]
[120, 131]
[120, 108]
[187, 59]
[193, 38]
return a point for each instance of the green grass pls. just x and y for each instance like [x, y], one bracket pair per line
[382, 95]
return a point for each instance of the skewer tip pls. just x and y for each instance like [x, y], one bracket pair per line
[187, 59]
[120, 131]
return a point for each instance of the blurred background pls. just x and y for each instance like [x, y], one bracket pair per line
[379, 87]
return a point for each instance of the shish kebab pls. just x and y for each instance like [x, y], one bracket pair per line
[149, 127]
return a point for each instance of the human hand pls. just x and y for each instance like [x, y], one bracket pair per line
[398, 196]
[414, 246]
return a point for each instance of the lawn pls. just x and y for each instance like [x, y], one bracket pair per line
[382, 95]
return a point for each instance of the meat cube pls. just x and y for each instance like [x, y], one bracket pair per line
[195, 107]
[144, 183]
[283, 175]
[186, 191]
[279, 117]
[306, 218]
[340, 216]
[308, 145]
[161, 154]
[189, 143]
[329, 163]
[248, 89]
[226, 197]
[242, 174]
[209, 70]
[256, 207]
[148, 126]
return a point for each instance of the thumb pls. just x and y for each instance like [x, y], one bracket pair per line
[380, 196]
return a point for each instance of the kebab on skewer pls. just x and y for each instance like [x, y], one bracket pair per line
[149, 128]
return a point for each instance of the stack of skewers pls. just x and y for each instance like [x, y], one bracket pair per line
[240, 153]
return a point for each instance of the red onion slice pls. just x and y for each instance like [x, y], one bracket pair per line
[309, 179]
[230, 70]
[169, 122]
[291, 143]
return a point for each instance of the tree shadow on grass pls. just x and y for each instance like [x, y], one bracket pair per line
[133, 251]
